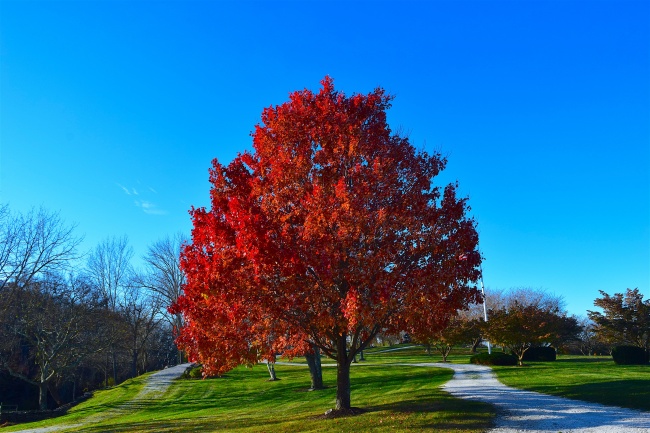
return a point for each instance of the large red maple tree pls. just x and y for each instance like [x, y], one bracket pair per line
[328, 232]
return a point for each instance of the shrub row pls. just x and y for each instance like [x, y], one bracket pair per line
[496, 358]
[545, 354]
[629, 355]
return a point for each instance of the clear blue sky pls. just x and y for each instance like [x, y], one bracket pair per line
[111, 111]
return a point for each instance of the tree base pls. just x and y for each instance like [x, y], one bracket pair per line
[340, 413]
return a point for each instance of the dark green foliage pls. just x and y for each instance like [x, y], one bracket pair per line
[193, 373]
[540, 353]
[496, 358]
[629, 355]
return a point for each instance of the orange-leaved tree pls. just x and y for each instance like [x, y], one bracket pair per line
[327, 233]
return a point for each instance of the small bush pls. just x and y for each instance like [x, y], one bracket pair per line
[193, 373]
[546, 353]
[629, 355]
[496, 358]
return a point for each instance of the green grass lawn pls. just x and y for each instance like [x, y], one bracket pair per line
[395, 398]
[590, 378]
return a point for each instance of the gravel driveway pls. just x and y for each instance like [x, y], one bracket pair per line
[532, 412]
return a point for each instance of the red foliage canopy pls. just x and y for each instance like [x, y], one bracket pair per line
[329, 232]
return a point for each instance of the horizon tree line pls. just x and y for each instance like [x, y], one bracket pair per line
[70, 322]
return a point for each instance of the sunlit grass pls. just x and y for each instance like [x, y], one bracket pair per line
[395, 398]
[591, 378]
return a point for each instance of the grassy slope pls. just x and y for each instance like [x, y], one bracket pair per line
[397, 398]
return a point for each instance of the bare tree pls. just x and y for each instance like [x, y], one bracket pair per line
[163, 277]
[141, 315]
[33, 244]
[588, 341]
[109, 268]
[44, 329]
[526, 296]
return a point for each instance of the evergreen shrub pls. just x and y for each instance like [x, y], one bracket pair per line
[496, 358]
[545, 353]
[193, 373]
[629, 355]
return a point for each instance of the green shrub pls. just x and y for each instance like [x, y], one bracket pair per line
[193, 373]
[496, 358]
[629, 355]
[545, 353]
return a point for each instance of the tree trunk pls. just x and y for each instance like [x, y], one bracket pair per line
[114, 355]
[106, 367]
[134, 363]
[520, 356]
[315, 369]
[42, 395]
[342, 375]
[271, 368]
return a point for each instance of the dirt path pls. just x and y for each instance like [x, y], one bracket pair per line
[531, 412]
[154, 388]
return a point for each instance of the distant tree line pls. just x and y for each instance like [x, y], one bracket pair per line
[523, 318]
[517, 320]
[73, 322]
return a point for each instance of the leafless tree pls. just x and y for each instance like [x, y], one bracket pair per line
[140, 313]
[109, 268]
[46, 329]
[539, 298]
[33, 244]
[588, 341]
[163, 276]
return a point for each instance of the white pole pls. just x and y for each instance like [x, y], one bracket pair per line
[485, 307]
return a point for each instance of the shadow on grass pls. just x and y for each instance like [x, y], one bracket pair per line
[452, 414]
[626, 393]
[451, 417]
[583, 360]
